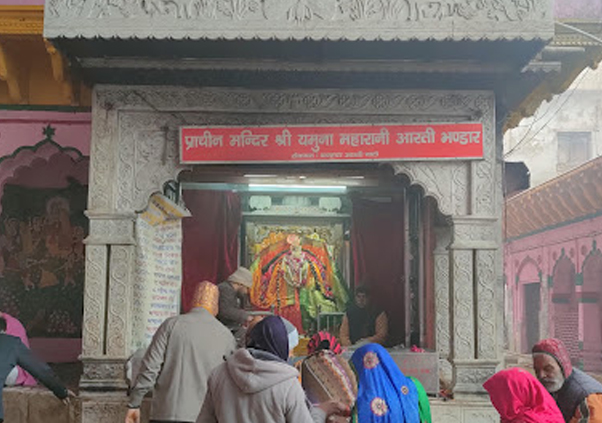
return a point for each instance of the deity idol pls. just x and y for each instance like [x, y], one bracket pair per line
[297, 278]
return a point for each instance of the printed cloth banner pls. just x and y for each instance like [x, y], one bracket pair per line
[158, 267]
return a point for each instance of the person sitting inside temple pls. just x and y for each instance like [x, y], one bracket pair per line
[18, 376]
[364, 323]
[232, 293]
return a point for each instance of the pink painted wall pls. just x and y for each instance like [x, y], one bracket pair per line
[47, 167]
[579, 305]
[587, 10]
[22, 2]
[52, 173]
[18, 128]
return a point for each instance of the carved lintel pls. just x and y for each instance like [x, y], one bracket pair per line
[103, 374]
[469, 376]
[106, 229]
[464, 412]
[133, 156]
[476, 232]
[97, 407]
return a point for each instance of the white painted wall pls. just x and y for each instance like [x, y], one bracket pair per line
[578, 109]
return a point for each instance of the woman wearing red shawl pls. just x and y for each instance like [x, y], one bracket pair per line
[520, 398]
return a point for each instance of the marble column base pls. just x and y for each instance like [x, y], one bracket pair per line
[463, 411]
[469, 376]
[103, 374]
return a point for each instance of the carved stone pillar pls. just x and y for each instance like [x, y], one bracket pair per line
[442, 302]
[475, 343]
[107, 301]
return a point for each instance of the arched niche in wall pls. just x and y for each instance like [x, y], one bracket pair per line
[591, 310]
[565, 306]
[46, 158]
[42, 228]
[528, 278]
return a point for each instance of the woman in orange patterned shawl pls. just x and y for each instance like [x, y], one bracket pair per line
[325, 374]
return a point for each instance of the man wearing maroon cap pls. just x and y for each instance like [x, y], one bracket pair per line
[578, 395]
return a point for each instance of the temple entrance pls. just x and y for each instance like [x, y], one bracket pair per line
[310, 235]
[449, 303]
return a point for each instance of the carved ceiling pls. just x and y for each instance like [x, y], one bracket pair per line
[571, 196]
[319, 20]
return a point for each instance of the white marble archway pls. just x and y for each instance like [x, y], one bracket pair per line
[134, 152]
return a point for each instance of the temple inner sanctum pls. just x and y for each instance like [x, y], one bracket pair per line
[311, 234]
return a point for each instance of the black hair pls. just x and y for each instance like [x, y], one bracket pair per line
[2, 324]
[362, 289]
[324, 345]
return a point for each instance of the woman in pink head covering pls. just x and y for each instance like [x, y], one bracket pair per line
[15, 328]
[520, 398]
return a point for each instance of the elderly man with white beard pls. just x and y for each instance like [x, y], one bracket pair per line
[578, 395]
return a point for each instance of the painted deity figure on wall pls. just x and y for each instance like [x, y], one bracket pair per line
[297, 277]
[42, 258]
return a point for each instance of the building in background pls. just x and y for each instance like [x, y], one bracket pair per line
[565, 132]
[553, 263]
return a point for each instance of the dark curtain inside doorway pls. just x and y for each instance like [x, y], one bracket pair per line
[377, 237]
[210, 239]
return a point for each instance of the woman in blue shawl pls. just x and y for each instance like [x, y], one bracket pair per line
[385, 394]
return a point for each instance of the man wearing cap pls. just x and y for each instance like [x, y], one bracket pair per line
[232, 293]
[178, 362]
[578, 395]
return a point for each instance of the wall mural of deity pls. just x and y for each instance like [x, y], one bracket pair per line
[42, 258]
[297, 277]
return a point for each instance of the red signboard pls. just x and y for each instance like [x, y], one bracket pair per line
[330, 143]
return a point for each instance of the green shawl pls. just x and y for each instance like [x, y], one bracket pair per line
[424, 406]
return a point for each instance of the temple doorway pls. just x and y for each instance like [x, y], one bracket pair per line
[532, 309]
[311, 234]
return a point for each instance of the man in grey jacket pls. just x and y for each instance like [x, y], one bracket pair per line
[232, 295]
[179, 360]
